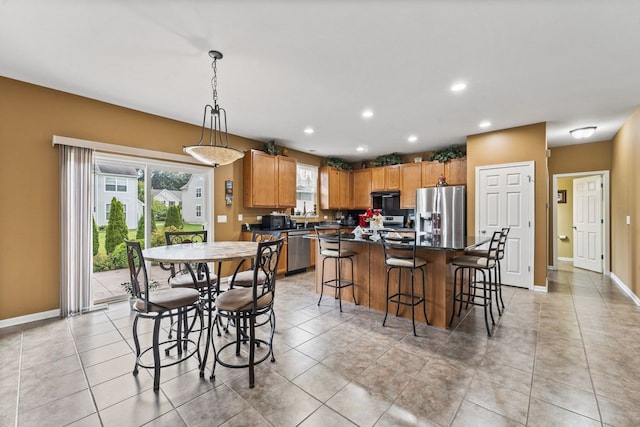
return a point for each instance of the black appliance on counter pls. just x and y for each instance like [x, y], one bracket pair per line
[385, 200]
[276, 222]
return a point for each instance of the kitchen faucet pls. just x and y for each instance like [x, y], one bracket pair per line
[306, 218]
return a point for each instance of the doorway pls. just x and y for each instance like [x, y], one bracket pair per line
[565, 237]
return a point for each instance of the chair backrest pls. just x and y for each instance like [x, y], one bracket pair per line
[260, 236]
[399, 246]
[503, 242]
[138, 272]
[266, 262]
[329, 238]
[492, 251]
[178, 237]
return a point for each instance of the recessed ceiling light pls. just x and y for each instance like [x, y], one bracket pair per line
[582, 133]
[485, 124]
[458, 87]
[412, 138]
[367, 114]
[308, 131]
[362, 148]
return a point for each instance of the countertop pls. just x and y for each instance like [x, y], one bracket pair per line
[425, 241]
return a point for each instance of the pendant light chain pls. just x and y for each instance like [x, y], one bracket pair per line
[214, 82]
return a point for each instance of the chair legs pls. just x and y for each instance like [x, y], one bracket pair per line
[408, 299]
[469, 296]
[181, 342]
[338, 283]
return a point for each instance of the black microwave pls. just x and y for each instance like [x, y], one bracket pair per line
[276, 222]
[385, 200]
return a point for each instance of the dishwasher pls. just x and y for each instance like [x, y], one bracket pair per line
[298, 251]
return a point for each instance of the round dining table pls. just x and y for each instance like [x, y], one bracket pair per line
[203, 253]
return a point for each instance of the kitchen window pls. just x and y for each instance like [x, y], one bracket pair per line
[306, 188]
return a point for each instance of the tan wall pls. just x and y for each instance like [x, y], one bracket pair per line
[625, 181]
[525, 143]
[594, 156]
[30, 116]
[565, 219]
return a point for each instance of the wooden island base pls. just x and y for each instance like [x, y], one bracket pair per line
[370, 281]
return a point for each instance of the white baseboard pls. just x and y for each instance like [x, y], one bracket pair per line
[624, 288]
[560, 258]
[29, 318]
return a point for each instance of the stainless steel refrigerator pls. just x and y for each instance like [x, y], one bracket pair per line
[441, 211]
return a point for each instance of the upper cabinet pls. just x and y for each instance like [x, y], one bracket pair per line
[335, 188]
[269, 181]
[360, 189]
[410, 179]
[385, 178]
[454, 171]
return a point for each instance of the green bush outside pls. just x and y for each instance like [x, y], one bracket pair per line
[117, 230]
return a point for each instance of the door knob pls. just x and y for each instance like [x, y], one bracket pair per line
[483, 231]
[574, 227]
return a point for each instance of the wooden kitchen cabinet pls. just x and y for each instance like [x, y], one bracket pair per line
[431, 171]
[360, 189]
[335, 189]
[410, 181]
[385, 178]
[456, 171]
[269, 181]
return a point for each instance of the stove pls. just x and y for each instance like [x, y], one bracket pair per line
[393, 221]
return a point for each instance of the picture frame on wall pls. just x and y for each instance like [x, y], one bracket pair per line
[562, 196]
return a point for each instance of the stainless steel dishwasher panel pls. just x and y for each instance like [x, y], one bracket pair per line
[298, 251]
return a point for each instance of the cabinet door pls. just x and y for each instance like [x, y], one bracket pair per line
[377, 179]
[361, 189]
[286, 182]
[392, 177]
[282, 262]
[410, 179]
[430, 173]
[260, 184]
[344, 194]
[456, 171]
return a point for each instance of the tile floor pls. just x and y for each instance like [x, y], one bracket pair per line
[568, 357]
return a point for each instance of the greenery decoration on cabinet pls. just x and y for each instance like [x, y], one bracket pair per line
[446, 154]
[387, 159]
[339, 163]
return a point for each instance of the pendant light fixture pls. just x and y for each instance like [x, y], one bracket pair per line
[217, 151]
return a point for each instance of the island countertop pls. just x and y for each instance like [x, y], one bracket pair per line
[370, 274]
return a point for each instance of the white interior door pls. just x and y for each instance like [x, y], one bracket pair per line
[587, 223]
[504, 198]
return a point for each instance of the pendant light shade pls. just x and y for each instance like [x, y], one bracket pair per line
[216, 151]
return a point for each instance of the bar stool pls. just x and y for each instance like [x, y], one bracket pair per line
[474, 266]
[330, 243]
[499, 256]
[400, 253]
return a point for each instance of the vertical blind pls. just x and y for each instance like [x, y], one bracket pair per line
[76, 182]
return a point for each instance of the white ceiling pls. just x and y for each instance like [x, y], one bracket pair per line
[291, 64]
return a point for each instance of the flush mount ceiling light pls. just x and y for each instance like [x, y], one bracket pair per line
[458, 87]
[217, 152]
[582, 133]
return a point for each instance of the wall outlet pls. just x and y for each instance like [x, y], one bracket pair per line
[628, 219]
[222, 219]
[239, 217]
[259, 218]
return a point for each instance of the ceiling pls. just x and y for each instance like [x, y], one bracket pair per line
[291, 64]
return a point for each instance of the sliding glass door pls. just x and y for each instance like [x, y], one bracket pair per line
[139, 199]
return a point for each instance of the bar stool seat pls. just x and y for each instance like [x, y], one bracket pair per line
[400, 253]
[330, 244]
[474, 266]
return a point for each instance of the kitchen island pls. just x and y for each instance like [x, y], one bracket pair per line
[370, 275]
